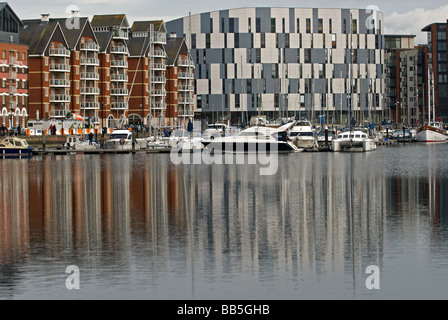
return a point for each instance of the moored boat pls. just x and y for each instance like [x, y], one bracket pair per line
[432, 133]
[13, 147]
[353, 141]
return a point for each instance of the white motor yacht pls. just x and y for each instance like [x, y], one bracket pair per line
[255, 139]
[353, 141]
[122, 140]
[13, 147]
[302, 134]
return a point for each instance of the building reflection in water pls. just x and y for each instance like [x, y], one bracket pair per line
[323, 217]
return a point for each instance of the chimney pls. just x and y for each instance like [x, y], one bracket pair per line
[45, 17]
[173, 35]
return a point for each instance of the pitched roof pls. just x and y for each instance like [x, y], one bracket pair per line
[138, 46]
[4, 5]
[37, 35]
[144, 26]
[73, 35]
[173, 47]
[104, 40]
[110, 20]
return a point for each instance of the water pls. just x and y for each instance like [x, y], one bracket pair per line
[139, 227]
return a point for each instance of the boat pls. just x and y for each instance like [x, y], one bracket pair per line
[322, 137]
[353, 140]
[214, 130]
[432, 133]
[302, 134]
[81, 143]
[121, 139]
[186, 141]
[14, 147]
[254, 140]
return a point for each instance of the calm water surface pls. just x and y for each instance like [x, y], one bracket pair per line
[139, 227]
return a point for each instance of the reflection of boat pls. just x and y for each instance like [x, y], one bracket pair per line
[122, 140]
[13, 147]
[353, 141]
[433, 132]
[255, 139]
[303, 134]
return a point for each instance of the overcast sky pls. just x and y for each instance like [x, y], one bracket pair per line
[401, 17]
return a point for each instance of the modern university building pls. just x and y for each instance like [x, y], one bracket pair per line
[285, 62]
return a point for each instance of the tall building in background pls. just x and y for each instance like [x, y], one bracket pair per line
[437, 59]
[13, 70]
[406, 71]
[286, 62]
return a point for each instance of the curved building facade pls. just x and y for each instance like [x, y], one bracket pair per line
[284, 62]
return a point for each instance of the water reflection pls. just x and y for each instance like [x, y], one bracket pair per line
[141, 227]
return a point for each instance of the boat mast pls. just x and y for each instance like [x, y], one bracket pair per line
[351, 70]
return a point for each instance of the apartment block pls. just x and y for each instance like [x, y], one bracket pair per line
[13, 70]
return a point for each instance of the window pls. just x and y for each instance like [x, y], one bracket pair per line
[308, 25]
[249, 22]
[298, 26]
[258, 25]
[307, 55]
[193, 40]
[355, 26]
[320, 23]
[207, 40]
[272, 25]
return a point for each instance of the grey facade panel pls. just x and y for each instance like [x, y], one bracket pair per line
[292, 55]
[317, 55]
[175, 26]
[205, 23]
[265, 15]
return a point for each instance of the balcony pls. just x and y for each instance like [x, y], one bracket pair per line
[119, 105]
[186, 75]
[184, 113]
[159, 66]
[158, 79]
[158, 93]
[61, 83]
[58, 113]
[119, 92]
[185, 62]
[59, 67]
[90, 90]
[119, 77]
[159, 38]
[120, 34]
[157, 105]
[119, 63]
[158, 53]
[90, 62]
[119, 50]
[90, 105]
[59, 98]
[186, 88]
[89, 47]
[60, 52]
[90, 76]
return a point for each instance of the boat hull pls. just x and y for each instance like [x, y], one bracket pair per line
[431, 136]
[250, 147]
[15, 153]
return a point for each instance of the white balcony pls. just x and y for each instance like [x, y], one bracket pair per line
[90, 62]
[59, 98]
[61, 83]
[60, 52]
[58, 113]
[90, 90]
[186, 88]
[119, 92]
[158, 53]
[158, 93]
[119, 105]
[185, 62]
[90, 76]
[120, 34]
[119, 77]
[184, 113]
[186, 75]
[119, 63]
[158, 79]
[89, 47]
[158, 66]
[59, 68]
[90, 105]
[119, 50]
[159, 38]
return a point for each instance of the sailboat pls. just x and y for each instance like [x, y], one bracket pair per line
[433, 131]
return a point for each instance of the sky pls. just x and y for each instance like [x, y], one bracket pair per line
[400, 17]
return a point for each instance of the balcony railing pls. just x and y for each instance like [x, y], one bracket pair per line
[60, 52]
[159, 66]
[159, 38]
[158, 92]
[158, 53]
[60, 67]
[59, 83]
[90, 90]
[157, 105]
[119, 77]
[119, 92]
[185, 62]
[91, 105]
[58, 113]
[158, 79]
[118, 49]
[185, 88]
[90, 76]
[59, 98]
[119, 105]
[185, 76]
[119, 34]
[90, 62]
[119, 63]
[89, 46]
